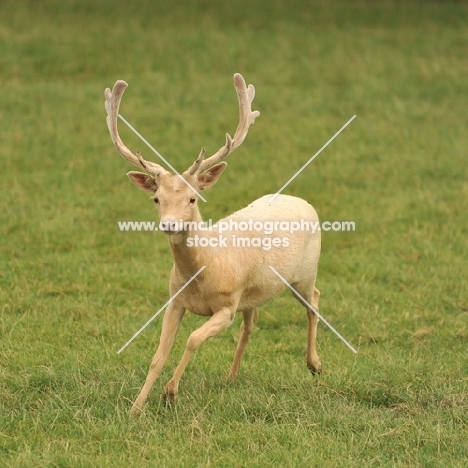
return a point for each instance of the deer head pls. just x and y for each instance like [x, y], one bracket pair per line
[176, 196]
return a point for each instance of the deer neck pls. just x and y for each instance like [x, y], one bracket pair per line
[188, 257]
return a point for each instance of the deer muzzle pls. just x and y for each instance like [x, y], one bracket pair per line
[169, 226]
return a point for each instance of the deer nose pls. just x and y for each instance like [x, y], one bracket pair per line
[169, 225]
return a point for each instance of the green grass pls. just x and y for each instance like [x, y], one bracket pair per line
[73, 289]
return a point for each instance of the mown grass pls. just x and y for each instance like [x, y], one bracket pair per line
[74, 288]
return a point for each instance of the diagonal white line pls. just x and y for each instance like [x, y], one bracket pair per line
[312, 158]
[159, 155]
[161, 309]
[308, 305]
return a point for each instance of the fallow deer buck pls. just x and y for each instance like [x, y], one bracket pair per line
[234, 279]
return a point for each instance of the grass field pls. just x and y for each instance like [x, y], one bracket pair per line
[73, 288]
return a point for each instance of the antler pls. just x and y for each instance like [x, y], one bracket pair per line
[112, 105]
[245, 95]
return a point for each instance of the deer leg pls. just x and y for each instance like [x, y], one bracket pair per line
[249, 317]
[170, 326]
[217, 323]
[312, 358]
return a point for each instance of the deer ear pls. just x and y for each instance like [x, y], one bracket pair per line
[211, 176]
[143, 181]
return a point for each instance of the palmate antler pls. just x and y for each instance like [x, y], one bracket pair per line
[112, 105]
[245, 95]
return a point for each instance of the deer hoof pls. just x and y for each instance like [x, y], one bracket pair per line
[135, 410]
[170, 393]
[170, 397]
[315, 368]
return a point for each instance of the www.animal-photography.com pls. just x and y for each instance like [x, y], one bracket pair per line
[233, 233]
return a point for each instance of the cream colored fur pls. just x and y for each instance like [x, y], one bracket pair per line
[234, 279]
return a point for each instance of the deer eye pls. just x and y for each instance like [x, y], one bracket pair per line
[192, 200]
[156, 200]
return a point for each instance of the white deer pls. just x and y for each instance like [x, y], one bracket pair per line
[235, 279]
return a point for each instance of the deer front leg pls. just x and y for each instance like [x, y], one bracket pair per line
[218, 322]
[170, 326]
[249, 317]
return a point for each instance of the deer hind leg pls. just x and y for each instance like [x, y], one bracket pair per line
[217, 323]
[249, 317]
[170, 326]
[312, 358]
